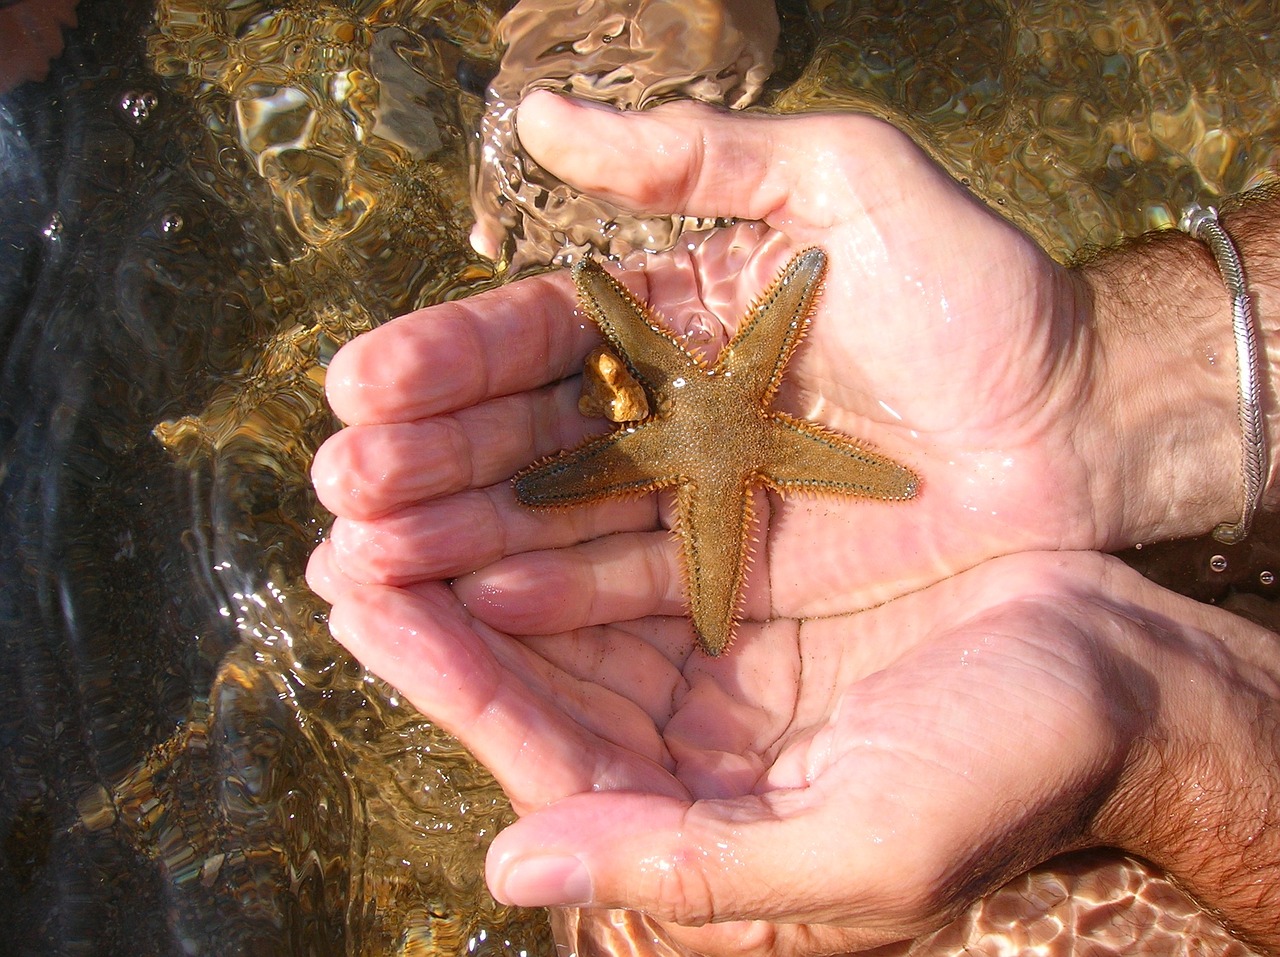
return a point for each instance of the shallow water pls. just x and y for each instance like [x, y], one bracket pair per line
[205, 199]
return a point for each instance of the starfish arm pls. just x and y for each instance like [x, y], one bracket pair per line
[715, 526]
[805, 457]
[774, 325]
[651, 353]
[599, 468]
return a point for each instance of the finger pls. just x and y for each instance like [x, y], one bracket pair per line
[694, 159]
[617, 578]
[365, 471]
[543, 734]
[457, 354]
[448, 537]
[621, 577]
[711, 861]
[323, 575]
[326, 578]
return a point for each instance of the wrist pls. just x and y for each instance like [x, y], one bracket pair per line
[1163, 439]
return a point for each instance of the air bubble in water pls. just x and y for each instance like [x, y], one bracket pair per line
[53, 231]
[171, 222]
[138, 104]
[1218, 563]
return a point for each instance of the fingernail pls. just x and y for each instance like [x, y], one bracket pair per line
[546, 881]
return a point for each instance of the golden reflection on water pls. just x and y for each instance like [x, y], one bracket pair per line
[341, 127]
[340, 133]
[1085, 122]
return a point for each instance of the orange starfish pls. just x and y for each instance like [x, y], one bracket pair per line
[712, 435]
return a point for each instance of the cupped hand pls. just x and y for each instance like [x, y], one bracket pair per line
[944, 338]
[827, 786]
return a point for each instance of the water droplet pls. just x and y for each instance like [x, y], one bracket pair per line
[1267, 577]
[53, 231]
[138, 104]
[1218, 563]
[171, 222]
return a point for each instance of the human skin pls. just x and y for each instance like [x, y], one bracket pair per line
[829, 783]
[837, 784]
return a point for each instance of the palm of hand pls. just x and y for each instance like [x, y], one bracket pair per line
[957, 399]
[916, 713]
[964, 365]
[899, 688]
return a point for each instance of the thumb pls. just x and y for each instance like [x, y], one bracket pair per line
[712, 860]
[691, 158]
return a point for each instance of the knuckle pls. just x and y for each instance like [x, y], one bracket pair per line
[683, 893]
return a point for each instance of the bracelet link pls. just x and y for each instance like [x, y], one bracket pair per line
[1202, 223]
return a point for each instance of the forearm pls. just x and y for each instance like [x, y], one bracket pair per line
[1201, 793]
[1164, 441]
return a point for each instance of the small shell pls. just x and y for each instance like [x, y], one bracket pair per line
[610, 390]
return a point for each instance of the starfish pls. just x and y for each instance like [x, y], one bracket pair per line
[708, 430]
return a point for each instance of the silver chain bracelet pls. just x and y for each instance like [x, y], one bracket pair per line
[1203, 224]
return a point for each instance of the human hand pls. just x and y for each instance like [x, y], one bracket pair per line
[447, 404]
[836, 784]
[944, 338]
